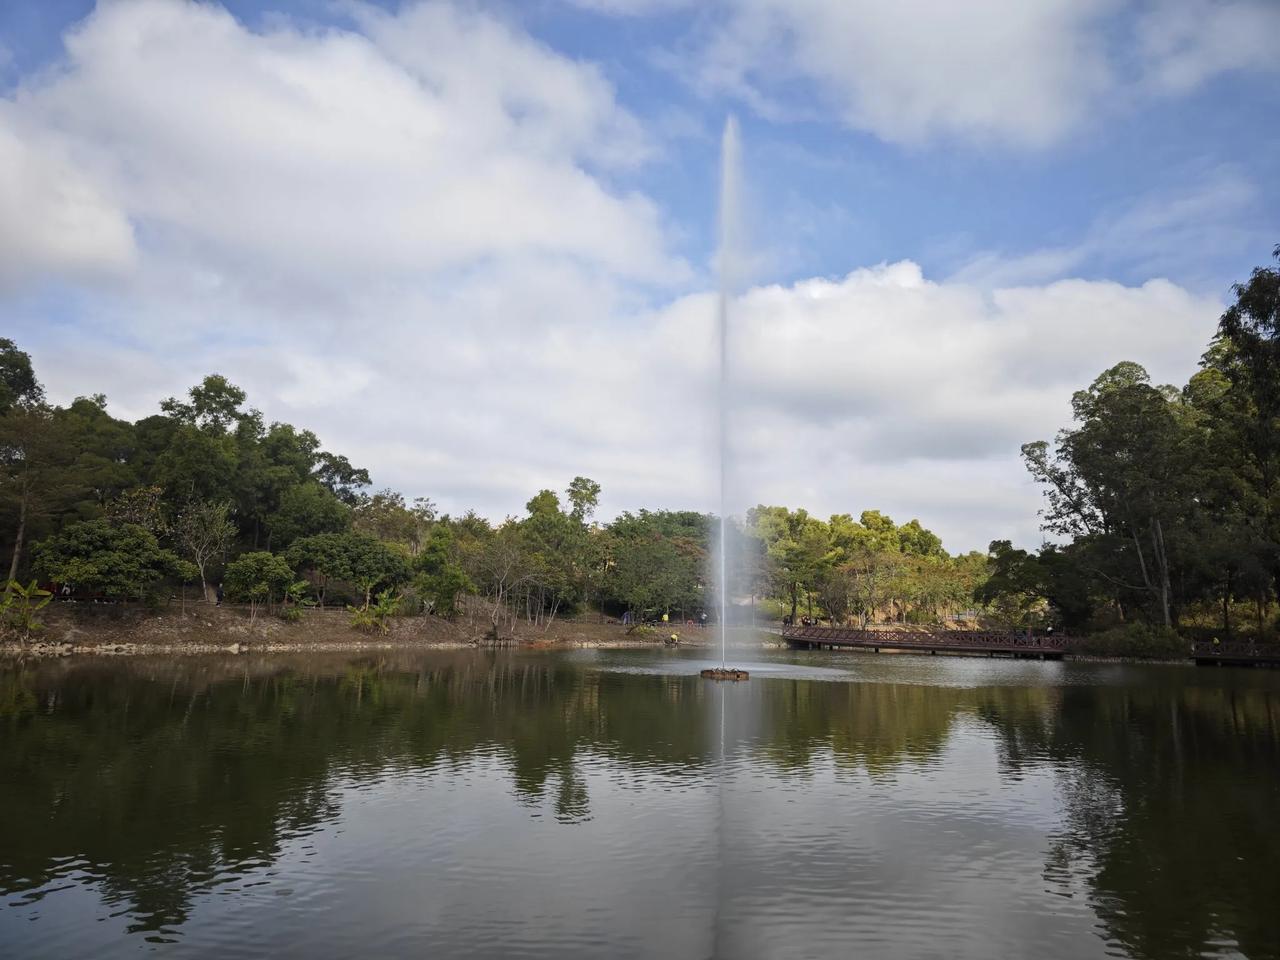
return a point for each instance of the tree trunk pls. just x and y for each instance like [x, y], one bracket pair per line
[1162, 565]
[1226, 607]
[17, 540]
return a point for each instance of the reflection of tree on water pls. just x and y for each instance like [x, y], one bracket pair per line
[1175, 852]
[1179, 850]
[873, 726]
[163, 778]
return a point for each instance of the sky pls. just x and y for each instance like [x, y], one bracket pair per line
[472, 245]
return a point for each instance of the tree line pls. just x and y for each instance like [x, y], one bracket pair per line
[207, 493]
[1165, 500]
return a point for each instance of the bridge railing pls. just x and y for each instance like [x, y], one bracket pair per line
[1236, 649]
[924, 638]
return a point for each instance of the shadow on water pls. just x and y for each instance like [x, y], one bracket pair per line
[155, 782]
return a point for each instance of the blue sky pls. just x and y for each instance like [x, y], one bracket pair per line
[955, 218]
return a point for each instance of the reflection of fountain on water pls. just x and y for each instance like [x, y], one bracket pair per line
[728, 257]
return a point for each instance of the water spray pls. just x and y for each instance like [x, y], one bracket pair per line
[729, 270]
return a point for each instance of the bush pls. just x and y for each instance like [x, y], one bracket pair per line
[258, 578]
[374, 616]
[1141, 640]
[18, 607]
[295, 601]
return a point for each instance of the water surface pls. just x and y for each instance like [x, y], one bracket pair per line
[615, 804]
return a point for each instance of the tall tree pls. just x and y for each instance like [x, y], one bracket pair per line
[1122, 474]
[204, 530]
[18, 383]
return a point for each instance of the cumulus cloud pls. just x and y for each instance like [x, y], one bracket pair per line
[438, 139]
[887, 388]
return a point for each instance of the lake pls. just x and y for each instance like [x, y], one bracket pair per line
[613, 804]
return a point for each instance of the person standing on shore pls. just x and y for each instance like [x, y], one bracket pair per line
[218, 595]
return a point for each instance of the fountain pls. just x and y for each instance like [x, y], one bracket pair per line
[728, 257]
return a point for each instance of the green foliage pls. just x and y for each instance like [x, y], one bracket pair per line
[19, 605]
[356, 558]
[120, 562]
[18, 383]
[375, 616]
[440, 578]
[258, 578]
[1138, 640]
[295, 601]
[870, 568]
[386, 516]
[204, 531]
[305, 510]
[1013, 591]
[142, 506]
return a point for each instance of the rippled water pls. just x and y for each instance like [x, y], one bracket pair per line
[607, 804]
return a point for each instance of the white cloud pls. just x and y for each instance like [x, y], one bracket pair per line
[886, 389]
[55, 220]
[1181, 44]
[911, 71]
[440, 139]
[1003, 71]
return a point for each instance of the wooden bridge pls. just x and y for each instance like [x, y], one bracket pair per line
[996, 644]
[1237, 653]
[972, 642]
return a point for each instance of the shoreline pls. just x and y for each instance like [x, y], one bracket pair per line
[228, 632]
[105, 631]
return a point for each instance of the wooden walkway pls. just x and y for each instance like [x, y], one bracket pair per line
[1236, 653]
[997, 644]
[971, 642]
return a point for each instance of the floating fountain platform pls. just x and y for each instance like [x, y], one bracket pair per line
[722, 673]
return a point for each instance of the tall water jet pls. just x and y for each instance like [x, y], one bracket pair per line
[728, 261]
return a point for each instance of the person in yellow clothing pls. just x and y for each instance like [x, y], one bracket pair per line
[665, 618]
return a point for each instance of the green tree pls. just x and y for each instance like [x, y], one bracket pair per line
[388, 517]
[326, 556]
[440, 578]
[258, 578]
[204, 531]
[120, 562]
[340, 478]
[1014, 588]
[306, 509]
[1246, 354]
[143, 506]
[584, 496]
[375, 566]
[18, 383]
[39, 478]
[1123, 475]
